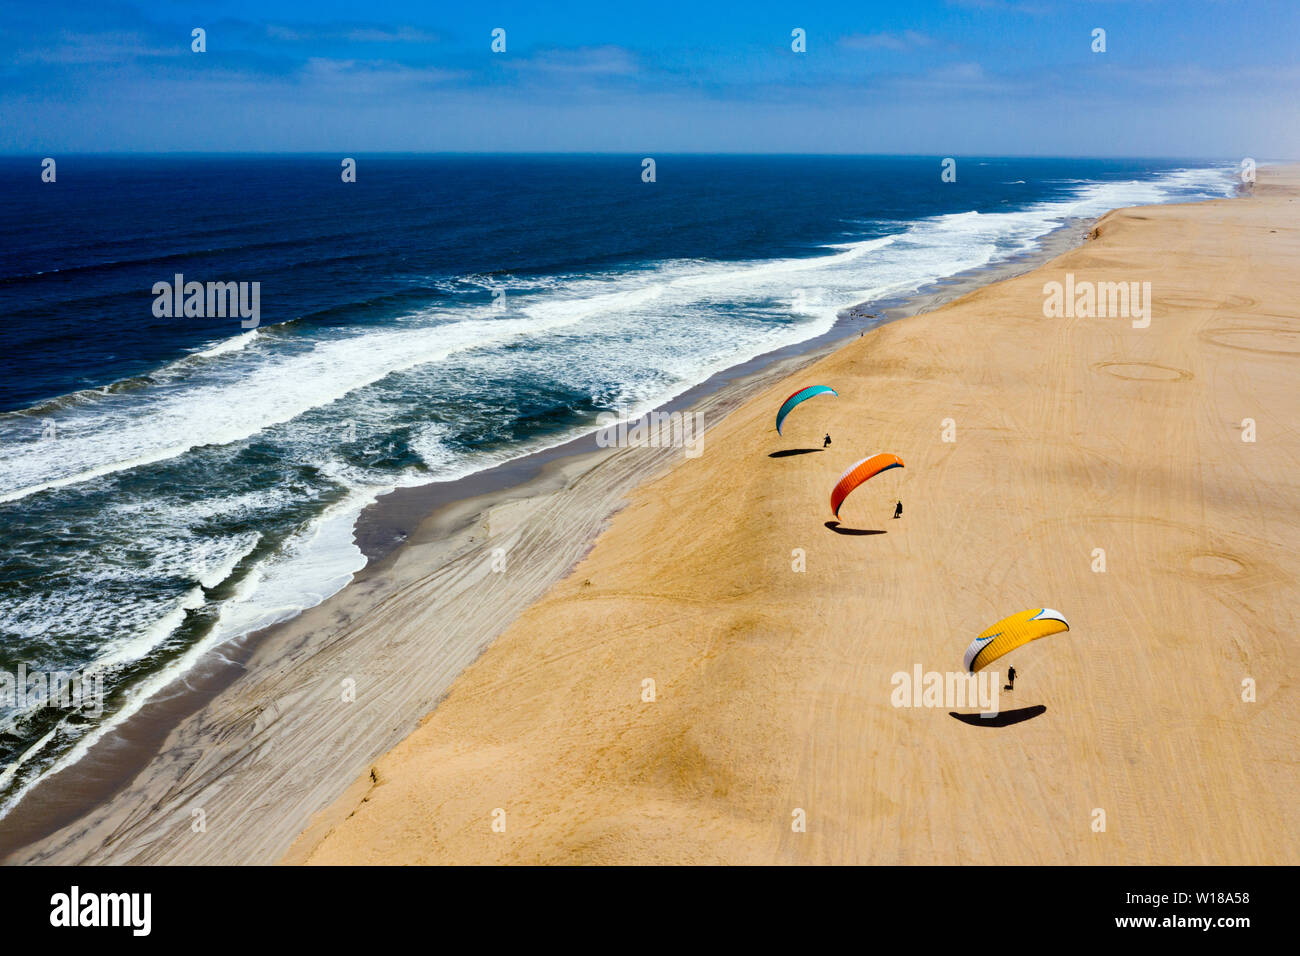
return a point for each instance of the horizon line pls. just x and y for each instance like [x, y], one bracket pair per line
[533, 152]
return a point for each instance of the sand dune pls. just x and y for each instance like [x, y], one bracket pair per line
[773, 685]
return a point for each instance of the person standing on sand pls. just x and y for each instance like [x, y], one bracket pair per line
[898, 510]
[827, 441]
[1011, 679]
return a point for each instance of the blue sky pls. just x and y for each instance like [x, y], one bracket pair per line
[1201, 78]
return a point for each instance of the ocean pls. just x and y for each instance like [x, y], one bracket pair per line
[168, 484]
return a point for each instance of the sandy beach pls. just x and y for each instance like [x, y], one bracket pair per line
[772, 686]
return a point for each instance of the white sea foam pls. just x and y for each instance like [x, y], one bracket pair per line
[311, 566]
[124, 432]
[235, 343]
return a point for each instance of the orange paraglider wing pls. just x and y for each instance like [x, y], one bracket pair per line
[864, 470]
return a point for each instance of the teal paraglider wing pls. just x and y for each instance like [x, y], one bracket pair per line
[800, 396]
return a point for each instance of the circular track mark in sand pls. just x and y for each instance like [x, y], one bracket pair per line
[1268, 341]
[1144, 372]
[1214, 564]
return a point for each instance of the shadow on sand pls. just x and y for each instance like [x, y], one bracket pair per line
[839, 529]
[1004, 719]
[793, 451]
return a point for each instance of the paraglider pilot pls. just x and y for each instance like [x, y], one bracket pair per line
[1011, 679]
[827, 440]
[898, 510]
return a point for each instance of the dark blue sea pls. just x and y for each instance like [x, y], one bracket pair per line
[168, 483]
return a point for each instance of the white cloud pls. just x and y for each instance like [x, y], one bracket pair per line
[600, 60]
[907, 40]
[370, 76]
[353, 33]
[100, 48]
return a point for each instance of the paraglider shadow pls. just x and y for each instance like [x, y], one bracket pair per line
[1004, 719]
[793, 451]
[836, 527]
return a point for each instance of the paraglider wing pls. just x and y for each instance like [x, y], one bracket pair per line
[861, 471]
[1011, 632]
[800, 396]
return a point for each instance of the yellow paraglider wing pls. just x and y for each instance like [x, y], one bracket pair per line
[1011, 632]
